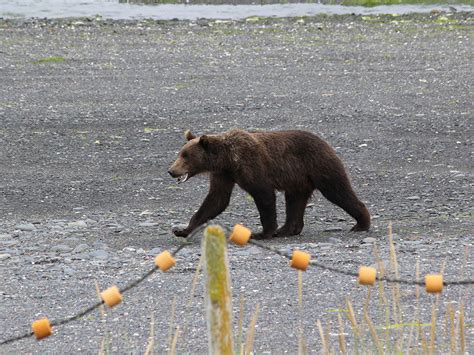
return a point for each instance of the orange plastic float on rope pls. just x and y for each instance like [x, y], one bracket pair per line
[367, 275]
[434, 283]
[42, 328]
[300, 260]
[111, 296]
[240, 235]
[165, 261]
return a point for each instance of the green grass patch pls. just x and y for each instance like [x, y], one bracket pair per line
[50, 60]
[402, 2]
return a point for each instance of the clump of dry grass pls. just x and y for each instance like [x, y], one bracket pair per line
[397, 335]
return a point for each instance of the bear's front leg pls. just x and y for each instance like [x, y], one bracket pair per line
[216, 201]
[265, 200]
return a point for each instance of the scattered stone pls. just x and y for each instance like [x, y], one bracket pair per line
[413, 198]
[5, 256]
[77, 224]
[148, 224]
[69, 271]
[26, 227]
[61, 248]
[333, 229]
[9, 243]
[154, 251]
[80, 248]
[100, 245]
[369, 240]
[81, 256]
[99, 254]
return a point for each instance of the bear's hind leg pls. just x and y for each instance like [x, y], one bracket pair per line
[295, 208]
[343, 196]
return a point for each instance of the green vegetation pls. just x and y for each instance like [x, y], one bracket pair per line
[400, 2]
[50, 60]
[330, 2]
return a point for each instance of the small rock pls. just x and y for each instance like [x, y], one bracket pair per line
[5, 257]
[369, 240]
[81, 256]
[333, 229]
[69, 270]
[9, 243]
[80, 248]
[154, 251]
[100, 245]
[25, 227]
[4, 236]
[148, 224]
[61, 248]
[413, 198]
[334, 240]
[326, 246]
[99, 254]
[77, 224]
[246, 251]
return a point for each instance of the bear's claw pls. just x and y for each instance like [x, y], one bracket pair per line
[179, 232]
[359, 228]
[260, 236]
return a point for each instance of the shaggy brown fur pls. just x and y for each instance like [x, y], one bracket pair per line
[296, 162]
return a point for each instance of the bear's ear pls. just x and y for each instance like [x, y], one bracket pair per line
[211, 144]
[189, 135]
[204, 141]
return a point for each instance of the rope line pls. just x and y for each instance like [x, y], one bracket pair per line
[258, 244]
[355, 274]
[100, 303]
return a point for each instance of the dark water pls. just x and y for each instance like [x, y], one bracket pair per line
[213, 9]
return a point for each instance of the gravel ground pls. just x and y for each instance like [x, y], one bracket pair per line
[92, 114]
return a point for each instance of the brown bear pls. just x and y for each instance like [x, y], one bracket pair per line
[296, 162]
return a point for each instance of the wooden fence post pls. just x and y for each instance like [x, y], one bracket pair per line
[218, 291]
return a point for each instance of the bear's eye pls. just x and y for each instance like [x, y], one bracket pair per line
[185, 155]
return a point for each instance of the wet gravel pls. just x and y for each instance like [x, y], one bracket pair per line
[93, 113]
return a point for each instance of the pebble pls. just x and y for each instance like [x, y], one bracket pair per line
[246, 251]
[77, 224]
[99, 254]
[25, 227]
[61, 248]
[69, 270]
[5, 256]
[4, 236]
[80, 248]
[9, 243]
[333, 229]
[412, 198]
[369, 240]
[148, 224]
[100, 245]
[154, 251]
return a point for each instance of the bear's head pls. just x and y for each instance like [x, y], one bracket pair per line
[198, 155]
